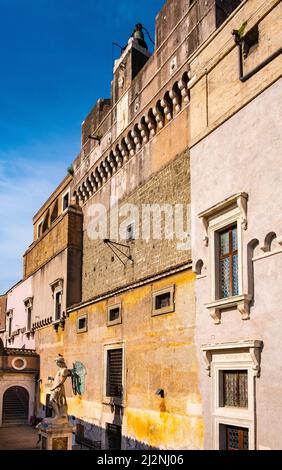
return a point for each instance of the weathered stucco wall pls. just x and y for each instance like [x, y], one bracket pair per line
[15, 303]
[159, 353]
[244, 155]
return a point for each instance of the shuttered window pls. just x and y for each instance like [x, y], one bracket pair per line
[114, 373]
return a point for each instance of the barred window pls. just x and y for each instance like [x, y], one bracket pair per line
[114, 373]
[235, 389]
[237, 438]
[228, 263]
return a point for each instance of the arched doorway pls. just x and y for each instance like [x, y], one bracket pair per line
[15, 406]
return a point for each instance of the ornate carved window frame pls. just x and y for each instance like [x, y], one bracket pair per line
[232, 210]
[230, 356]
[56, 287]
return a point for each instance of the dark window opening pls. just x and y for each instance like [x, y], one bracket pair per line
[224, 8]
[66, 201]
[39, 229]
[82, 323]
[28, 319]
[114, 437]
[228, 263]
[130, 232]
[235, 389]
[163, 300]
[10, 327]
[55, 211]
[114, 314]
[114, 373]
[45, 225]
[58, 306]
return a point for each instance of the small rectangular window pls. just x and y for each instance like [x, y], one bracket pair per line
[163, 301]
[28, 326]
[114, 315]
[236, 438]
[39, 229]
[114, 373]
[130, 232]
[235, 389]
[58, 305]
[82, 325]
[10, 327]
[228, 263]
[66, 201]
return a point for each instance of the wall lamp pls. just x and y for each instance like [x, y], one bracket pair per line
[160, 392]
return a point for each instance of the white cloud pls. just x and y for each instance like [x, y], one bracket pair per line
[27, 178]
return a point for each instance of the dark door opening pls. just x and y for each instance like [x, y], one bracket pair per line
[15, 406]
[113, 437]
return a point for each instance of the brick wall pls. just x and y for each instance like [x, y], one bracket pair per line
[65, 231]
[102, 271]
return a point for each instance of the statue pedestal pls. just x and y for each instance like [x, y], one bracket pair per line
[55, 436]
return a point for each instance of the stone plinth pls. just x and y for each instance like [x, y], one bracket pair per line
[55, 436]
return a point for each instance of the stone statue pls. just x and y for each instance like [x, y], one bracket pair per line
[58, 396]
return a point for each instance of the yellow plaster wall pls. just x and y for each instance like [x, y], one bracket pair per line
[159, 353]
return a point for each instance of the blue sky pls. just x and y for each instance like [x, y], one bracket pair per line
[55, 62]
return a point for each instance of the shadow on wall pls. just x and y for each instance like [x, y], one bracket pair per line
[95, 437]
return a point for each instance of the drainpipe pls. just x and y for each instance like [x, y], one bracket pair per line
[239, 42]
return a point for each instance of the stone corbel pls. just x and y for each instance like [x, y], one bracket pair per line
[118, 158]
[144, 132]
[137, 139]
[151, 125]
[167, 108]
[130, 145]
[242, 204]
[184, 90]
[159, 115]
[255, 353]
[176, 100]
[206, 229]
[124, 151]
[215, 313]
[243, 308]
[208, 360]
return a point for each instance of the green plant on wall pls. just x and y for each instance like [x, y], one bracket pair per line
[241, 30]
[70, 170]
